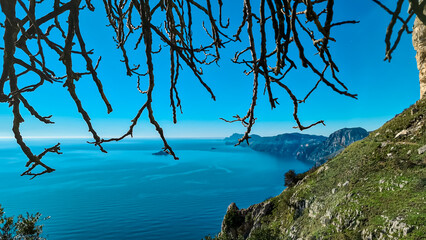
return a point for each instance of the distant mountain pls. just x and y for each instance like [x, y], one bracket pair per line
[335, 143]
[233, 139]
[289, 145]
[308, 147]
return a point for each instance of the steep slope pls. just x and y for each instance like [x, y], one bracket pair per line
[335, 143]
[374, 189]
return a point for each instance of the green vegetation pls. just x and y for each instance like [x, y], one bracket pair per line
[24, 228]
[233, 218]
[264, 234]
[374, 189]
[291, 178]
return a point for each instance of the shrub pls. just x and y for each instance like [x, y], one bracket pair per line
[264, 234]
[291, 178]
[24, 228]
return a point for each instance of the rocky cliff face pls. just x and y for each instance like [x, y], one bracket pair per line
[419, 43]
[374, 189]
[240, 223]
[303, 146]
[335, 143]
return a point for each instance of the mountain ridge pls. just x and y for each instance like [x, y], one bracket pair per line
[305, 147]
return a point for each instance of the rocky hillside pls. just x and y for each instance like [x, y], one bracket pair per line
[335, 143]
[374, 189]
[303, 146]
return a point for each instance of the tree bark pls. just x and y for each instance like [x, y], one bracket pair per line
[419, 43]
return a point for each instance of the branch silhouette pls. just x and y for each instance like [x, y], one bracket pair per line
[273, 30]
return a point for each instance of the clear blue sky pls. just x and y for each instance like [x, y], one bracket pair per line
[384, 89]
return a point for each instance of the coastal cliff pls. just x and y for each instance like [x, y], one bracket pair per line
[374, 189]
[303, 147]
[335, 143]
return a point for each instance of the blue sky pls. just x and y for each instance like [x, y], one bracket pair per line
[384, 89]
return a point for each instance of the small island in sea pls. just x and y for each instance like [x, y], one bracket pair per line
[160, 153]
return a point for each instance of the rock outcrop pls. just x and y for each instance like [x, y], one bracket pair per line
[419, 43]
[245, 221]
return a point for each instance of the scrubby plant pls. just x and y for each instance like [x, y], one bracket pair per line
[291, 178]
[233, 219]
[24, 228]
[264, 234]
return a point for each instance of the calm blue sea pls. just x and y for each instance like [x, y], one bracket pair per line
[131, 194]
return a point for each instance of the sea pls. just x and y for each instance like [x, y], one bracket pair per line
[129, 193]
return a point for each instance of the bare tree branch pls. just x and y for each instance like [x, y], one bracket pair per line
[396, 16]
[275, 30]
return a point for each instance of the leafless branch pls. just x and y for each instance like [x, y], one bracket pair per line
[274, 31]
[391, 45]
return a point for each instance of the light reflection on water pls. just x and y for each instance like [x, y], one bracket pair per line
[131, 194]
